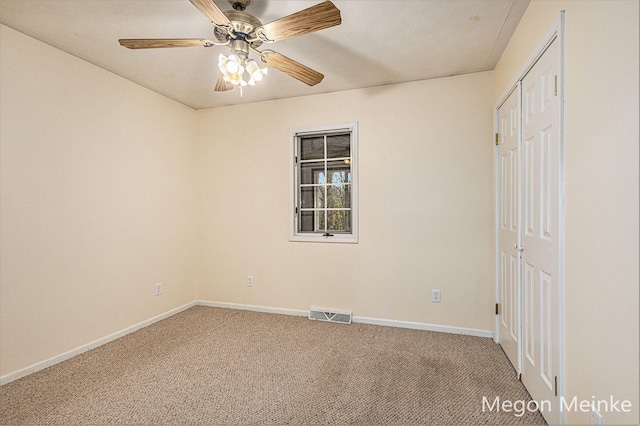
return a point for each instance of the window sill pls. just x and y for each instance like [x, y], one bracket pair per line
[319, 238]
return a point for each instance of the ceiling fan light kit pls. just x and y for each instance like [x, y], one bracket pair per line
[234, 67]
[244, 33]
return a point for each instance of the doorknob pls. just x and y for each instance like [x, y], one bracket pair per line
[520, 249]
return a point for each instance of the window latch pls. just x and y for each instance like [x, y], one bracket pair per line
[326, 234]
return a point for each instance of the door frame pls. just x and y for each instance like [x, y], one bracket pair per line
[556, 31]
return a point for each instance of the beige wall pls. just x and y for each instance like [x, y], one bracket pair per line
[106, 186]
[97, 203]
[102, 182]
[601, 162]
[425, 205]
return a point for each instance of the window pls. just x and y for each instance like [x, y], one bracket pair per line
[324, 176]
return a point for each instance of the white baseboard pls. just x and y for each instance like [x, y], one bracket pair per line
[254, 308]
[356, 319]
[99, 342]
[15, 375]
[425, 326]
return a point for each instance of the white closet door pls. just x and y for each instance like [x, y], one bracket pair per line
[508, 227]
[540, 230]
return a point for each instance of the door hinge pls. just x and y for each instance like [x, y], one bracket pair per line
[555, 85]
[497, 138]
[555, 386]
[497, 309]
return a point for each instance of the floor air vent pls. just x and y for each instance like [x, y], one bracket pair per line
[330, 316]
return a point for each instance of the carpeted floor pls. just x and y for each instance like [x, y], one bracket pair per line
[227, 367]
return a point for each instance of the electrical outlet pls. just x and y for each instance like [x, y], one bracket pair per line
[249, 281]
[158, 289]
[595, 418]
[435, 296]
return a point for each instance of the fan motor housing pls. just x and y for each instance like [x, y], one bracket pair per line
[243, 24]
[239, 4]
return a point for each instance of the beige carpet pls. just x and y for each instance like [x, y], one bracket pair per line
[221, 366]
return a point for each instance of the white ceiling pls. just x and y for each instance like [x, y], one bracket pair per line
[379, 42]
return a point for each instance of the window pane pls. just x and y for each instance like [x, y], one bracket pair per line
[320, 225]
[324, 194]
[312, 148]
[338, 146]
[339, 196]
[312, 221]
[338, 172]
[311, 173]
[319, 197]
[307, 222]
[307, 197]
[339, 220]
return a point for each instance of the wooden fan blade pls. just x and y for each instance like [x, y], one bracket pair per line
[211, 11]
[314, 18]
[222, 85]
[293, 68]
[155, 43]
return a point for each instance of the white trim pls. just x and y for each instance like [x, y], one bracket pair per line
[254, 308]
[350, 238]
[556, 31]
[496, 219]
[551, 34]
[561, 221]
[15, 375]
[425, 326]
[362, 320]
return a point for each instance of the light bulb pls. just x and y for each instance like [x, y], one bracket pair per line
[254, 71]
[232, 67]
[234, 79]
[233, 64]
[257, 76]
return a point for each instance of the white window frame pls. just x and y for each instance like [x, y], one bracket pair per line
[294, 235]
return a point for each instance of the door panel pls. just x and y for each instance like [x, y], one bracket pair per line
[540, 237]
[528, 314]
[528, 230]
[509, 224]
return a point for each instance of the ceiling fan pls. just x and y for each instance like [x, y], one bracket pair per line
[243, 33]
